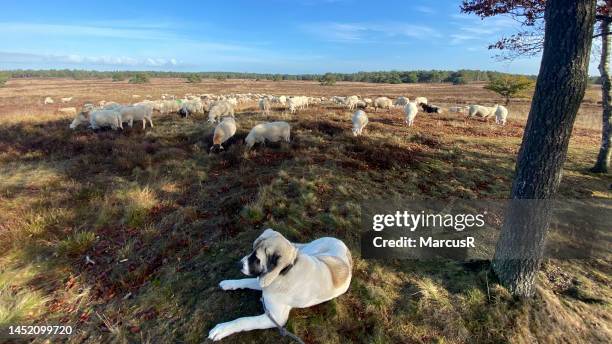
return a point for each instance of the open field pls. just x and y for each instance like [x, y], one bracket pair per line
[164, 221]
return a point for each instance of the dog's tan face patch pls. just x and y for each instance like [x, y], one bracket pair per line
[339, 270]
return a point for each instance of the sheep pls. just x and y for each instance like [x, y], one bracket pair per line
[233, 101]
[360, 120]
[48, 100]
[223, 132]
[351, 102]
[68, 111]
[271, 131]
[220, 109]
[431, 108]
[383, 103]
[481, 111]
[111, 106]
[361, 104]
[191, 107]
[411, 111]
[420, 100]
[66, 100]
[295, 103]
[98, 119]
[501, 113]
[401, 101]
[142, 113]
[168, 106]
[264, 106]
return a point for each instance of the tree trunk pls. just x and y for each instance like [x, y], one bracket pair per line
[559, 91]
[603, 159]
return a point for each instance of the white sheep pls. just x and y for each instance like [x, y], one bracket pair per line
[420, 100]
[401, 101]
[264, 106]
[271, 131]
[501, 113]
[98, 119]
[481, 111]
[220, 109]
[223, 132]
[142, 113]
[191, 107]
[111, 106]
[360, 120]
[351, 102]
[411, 109]
[66, 100]
[382, 103]
[167, 106]
[48, 100]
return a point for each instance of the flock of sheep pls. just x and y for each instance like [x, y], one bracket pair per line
[221, 108]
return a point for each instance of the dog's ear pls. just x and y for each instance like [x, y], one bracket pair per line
[280, 254]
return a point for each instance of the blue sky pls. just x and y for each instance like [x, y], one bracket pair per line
[277, 36]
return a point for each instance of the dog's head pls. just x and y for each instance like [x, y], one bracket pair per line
[272, 254]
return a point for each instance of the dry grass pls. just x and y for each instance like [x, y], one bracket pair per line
[164, 221]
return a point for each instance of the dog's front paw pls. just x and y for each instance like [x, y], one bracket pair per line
[229, 285]
[220, 331]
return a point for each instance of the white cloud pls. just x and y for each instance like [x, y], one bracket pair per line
[368, 32]
[76, 59]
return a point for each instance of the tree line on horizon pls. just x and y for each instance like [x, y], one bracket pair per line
[463, 76]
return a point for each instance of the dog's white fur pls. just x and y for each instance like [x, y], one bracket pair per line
[304, 275]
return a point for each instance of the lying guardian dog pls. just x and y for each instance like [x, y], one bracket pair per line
[289, 276]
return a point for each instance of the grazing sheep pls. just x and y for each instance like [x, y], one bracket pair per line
[360, 120]
[264, 106]
[481, 111]
[361, 104]
[68, 111]
[98, 119]
[411, 111]
[271, 131]
[220, 109]
[48, 100]
[501, 113]
[401, 101]
[191, 107]
[167, 106]
[66, 100]
[420, 100]
[351, 102]
[223, 132]
[382, 103]
[295, 103]
[142, 113]
[430, 108]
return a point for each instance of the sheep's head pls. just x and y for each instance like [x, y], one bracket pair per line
[249, 141]
[80, 118]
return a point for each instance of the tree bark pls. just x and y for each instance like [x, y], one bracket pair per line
[559, 91]
[602, 165]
